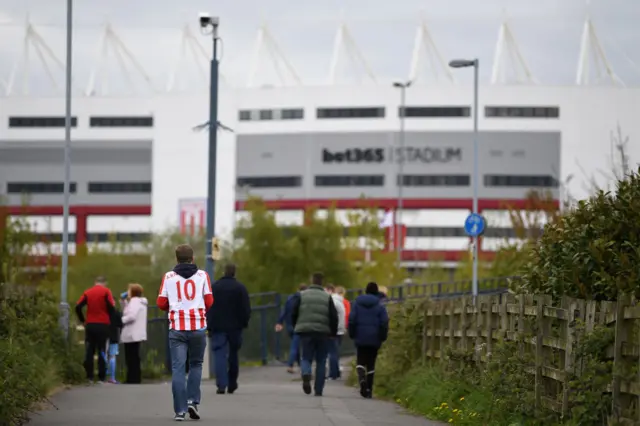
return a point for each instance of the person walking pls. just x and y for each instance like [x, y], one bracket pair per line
[336, 342]
[286, 320]
[100, 306]
[315, 319]
[134, 331]
[369, 328]
[185, 292]
[225, 322]
[113, 350]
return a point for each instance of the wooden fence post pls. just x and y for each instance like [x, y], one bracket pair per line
[463, 324]
[539, 385]
[570, 324]
[620, 335]
[425, 331]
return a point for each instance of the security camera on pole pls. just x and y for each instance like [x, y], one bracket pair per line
[209, 26]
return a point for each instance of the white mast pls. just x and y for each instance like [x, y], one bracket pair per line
[345, 41]
[33, 39]
[508, 55]
[266, 43]
[110, 41]
[592, 55]
[426, 53]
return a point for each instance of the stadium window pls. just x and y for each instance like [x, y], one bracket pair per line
[38, 187]
[369, 112]
[124, 121]
[42, 122]
[244, 115]
[123, 237]
[266, 114]
[434, 112]
[529, 181]
[120, 187]
[435, 180]
[292, 114]
[269, 182]
[349, 180]
[521, 112]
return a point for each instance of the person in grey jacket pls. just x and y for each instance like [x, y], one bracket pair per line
[315, 319]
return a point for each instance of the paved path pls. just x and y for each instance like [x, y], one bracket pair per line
[267, 396]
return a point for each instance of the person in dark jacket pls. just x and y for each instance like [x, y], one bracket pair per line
[225, 321]
[315, 319]
[285, 319]
[368, 328]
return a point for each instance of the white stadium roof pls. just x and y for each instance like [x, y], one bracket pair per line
[114, 67]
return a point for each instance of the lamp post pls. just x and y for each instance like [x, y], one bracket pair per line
[400, 154]
[64, 305]
[211, 23]
[475, 63]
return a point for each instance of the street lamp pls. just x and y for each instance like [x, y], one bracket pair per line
[209, 26]
[475, 63]
[398, 228]
[64, 305]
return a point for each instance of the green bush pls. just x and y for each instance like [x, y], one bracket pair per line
[34, 357]
[593, 251]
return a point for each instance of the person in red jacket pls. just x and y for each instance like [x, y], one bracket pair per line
[100, 309]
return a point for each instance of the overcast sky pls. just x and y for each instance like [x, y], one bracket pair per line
[547, 31]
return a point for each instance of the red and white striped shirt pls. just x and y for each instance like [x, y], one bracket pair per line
[186, 299]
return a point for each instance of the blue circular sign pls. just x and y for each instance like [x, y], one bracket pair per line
[474, 225]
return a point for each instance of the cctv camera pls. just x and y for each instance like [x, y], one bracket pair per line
[205, 19]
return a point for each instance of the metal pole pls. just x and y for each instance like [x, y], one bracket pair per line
[213, 152]
[476, 176]
[398, 232]
[64, 305]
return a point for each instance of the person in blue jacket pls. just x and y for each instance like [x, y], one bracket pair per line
[286, 319]
[368, 328]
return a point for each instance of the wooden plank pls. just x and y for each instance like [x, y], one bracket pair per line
[442, 317]
[568, 354]
[620, 334]
[489, 324]
[463, 323]
[452, 326]
[521, 327]
[539, 384]
[504, 318]
[425, 335]
[432, 331]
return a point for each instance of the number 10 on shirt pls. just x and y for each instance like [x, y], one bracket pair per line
[188, 288]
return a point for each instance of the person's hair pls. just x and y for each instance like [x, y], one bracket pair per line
[303, 287]
[372, 288]
[340, 290]
[330, 288]
[230, 270]
[135, 290]
[383, 290]
[317, 278]
[184, 253]
[100, 280]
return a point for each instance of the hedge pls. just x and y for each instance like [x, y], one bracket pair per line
[34, 357]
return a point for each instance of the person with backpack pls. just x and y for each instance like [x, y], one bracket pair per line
[368, 328]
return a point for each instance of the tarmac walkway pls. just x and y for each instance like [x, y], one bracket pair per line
[267, 396]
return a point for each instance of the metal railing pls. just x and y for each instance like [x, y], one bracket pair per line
[262, 344]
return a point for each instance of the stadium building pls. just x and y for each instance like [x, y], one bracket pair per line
[139, 163]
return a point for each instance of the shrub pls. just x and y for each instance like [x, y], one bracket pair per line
[593, 251]
[34, 356]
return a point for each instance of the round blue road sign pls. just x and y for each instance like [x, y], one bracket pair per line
[474, 225]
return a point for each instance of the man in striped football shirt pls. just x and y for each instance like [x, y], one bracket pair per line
[185, 293]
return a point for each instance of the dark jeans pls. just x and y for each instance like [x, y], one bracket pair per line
[334, 357]
[95, 340]
[133, 361]
[315, 347]
[183, 344]
[225, 347]
[366, 363]
[294, 349]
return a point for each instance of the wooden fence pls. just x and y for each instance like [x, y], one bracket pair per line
[548, 334]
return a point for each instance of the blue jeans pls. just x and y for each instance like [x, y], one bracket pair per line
[294, 350]
[225, 347]
[315, 348]
[334, 357]
[179, 343]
